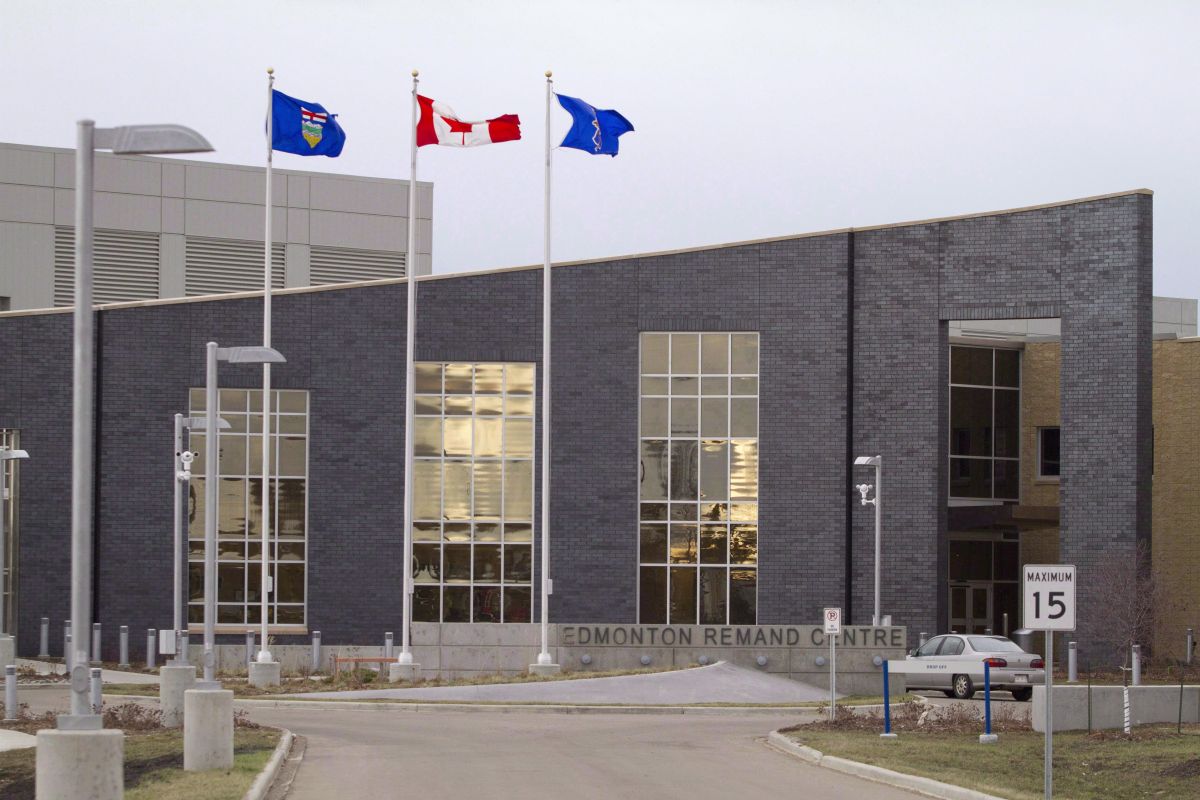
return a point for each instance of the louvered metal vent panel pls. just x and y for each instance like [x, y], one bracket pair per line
[217, 266]
[125, 264]
[328, 265]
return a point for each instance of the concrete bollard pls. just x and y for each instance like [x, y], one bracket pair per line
[184, 653]
[387, 645]
[151, 647]
[173, 681]
[1191, 645]
[97, 686]
[44, 641]
[1072, 662]
[10, 692]
[124, 660]
[316, 651]
[67, 644]
[73, 763]
[96, 643]
[208, 729]
[249, 650]
[1137, 665]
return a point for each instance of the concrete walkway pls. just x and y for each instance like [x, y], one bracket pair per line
[106, 675]
[720, 683]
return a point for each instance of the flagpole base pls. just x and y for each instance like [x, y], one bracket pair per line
[404, 672]
[265, 673]
[887, 736]
[988, 738]
[544, 670]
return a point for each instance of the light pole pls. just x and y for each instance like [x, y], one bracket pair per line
[7, 649]
[125, 140]
[864, 489]
[80, 737]
[183, 475]
[213, 355]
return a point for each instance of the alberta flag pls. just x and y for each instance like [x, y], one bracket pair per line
[593, 130]
[304, 128]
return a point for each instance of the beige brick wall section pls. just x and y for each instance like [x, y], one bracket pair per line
[1040, 407]
[1176, 506]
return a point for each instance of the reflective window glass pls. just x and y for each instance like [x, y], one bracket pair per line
[698, 452]
[240, 507]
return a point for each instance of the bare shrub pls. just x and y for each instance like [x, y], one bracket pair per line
[917, 717]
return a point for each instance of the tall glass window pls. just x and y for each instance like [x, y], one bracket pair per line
[9, 469]
[473, 492]
[239, 516]
[985, 403]
[698, 477]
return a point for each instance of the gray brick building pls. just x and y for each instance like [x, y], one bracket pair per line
[853, 349]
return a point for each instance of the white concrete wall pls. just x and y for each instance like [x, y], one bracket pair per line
[191, 198]
[1147, 704]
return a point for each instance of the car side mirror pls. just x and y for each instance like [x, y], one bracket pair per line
[912, 652]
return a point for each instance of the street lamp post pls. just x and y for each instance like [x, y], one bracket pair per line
[7, 649]
[183, 475]
[213, 355]
[59, 752]
[864, 489]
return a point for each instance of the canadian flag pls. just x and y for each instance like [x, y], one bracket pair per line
[440, 125]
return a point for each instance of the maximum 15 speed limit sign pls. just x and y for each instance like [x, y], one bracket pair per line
[1049, 595]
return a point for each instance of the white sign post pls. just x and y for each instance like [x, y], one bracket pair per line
[833, 626]
[1048, 591]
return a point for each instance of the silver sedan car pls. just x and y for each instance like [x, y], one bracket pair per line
[953, 664]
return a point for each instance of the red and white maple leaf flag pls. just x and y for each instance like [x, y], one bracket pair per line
[440, 125]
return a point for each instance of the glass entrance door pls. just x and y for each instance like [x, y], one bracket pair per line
[970, 607]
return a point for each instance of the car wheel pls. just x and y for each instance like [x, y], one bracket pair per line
[1022, 695]
[963, 688]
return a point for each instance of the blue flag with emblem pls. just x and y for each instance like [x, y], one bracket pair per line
[304, 128]
[593, 130]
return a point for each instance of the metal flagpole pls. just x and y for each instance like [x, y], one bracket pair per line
[264, 655]
[544, 655]
[410, 264]
[177, 604]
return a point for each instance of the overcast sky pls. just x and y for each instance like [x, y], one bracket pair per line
[753, 117]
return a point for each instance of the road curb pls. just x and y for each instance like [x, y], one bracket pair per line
[514, 708]
[901, 780]
[262, 784]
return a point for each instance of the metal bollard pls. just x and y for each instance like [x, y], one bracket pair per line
[249, 650]
[67, 644]
[1137, 665]
[923, 639]
[987, 631]
[316, 651]
[151, 647]
[10, 692]
[1191, 645]
[97, 691]
[1006, 623]
[1072, 662]
[96, 643]
[387, 645]
[124, 662]
[44, 644]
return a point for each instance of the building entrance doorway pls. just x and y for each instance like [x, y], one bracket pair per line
[971, 608]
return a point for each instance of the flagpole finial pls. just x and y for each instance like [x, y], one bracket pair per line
[416, 72]
[270, 70]
[549, 74]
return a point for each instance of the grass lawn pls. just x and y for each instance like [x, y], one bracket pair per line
[154, 768]
[1154, 762]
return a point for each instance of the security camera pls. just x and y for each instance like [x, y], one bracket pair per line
[187, 457]
[864, 489]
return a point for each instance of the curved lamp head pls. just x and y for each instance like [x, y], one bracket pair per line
[867, 461]
[250, 355]
[151, 140]
[12, 455]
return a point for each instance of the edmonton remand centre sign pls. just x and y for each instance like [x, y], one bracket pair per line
[751, 636]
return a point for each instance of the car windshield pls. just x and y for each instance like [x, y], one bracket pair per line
[993, 644]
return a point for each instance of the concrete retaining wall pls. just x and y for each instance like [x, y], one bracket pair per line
[462, 650]
[1147, 704]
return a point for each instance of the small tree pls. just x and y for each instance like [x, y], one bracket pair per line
[1130, 600]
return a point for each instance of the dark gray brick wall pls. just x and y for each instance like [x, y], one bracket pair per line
[1089, 262]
